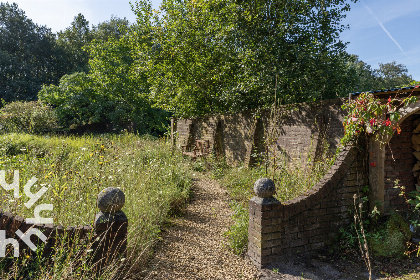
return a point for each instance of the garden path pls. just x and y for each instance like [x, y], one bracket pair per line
[194, 247]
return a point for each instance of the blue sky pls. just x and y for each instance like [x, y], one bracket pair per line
[380, 31]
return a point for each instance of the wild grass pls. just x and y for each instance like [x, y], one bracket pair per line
[291, 179]
[155, 179]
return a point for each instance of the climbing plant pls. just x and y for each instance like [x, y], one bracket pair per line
[369, 115]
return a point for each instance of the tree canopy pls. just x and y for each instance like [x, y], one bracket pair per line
[28, 55]
[190, 58]
[219, 56]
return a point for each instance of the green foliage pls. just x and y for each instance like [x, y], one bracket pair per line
[115, 90]
[391, 75]
[366, 116]
[114, 28]
[72, 40]
[155, 180]
[393, 238]
[29, 56]
[412, 198]
[29, 117]
[219, 56]
[73, 99]
[361, 77]
[238, 232]
[80, 100]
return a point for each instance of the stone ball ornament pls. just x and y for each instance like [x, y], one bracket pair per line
[264, 187]
[111, 200]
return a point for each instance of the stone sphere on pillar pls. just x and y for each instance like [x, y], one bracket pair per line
[264, 187]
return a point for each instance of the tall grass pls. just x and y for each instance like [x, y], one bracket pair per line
[155, 179]
[291, 179]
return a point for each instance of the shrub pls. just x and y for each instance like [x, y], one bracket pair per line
[395, 234]
[30, 117]
[79, 101]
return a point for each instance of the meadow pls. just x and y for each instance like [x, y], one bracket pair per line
[155, 178]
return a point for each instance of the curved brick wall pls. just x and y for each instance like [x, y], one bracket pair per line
[310, 221]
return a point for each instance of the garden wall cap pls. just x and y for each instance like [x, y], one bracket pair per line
[264, 187]
[109, 217]
[111, 200]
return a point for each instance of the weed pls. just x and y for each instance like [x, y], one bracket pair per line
[238, 231]
[75, 169]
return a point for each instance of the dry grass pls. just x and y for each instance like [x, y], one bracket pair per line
[155, 179]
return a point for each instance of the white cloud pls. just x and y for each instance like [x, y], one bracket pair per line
[384, 29]
[386, 10]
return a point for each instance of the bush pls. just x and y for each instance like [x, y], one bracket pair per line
[79, 101]
[392, 242]
[32, 117]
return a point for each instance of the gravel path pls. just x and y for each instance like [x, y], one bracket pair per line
[194, 246]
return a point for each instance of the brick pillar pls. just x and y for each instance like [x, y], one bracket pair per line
[265, 230]
[110, 228]
[376, 174]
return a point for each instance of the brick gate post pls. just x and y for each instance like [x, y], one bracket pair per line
[265, 219]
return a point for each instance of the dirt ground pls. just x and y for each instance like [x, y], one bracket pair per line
[193, 246]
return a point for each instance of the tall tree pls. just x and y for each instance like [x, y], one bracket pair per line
[114, 28]
[390, 75]
[28, 55]
[73, 39]
[232, 55]
[360, 76]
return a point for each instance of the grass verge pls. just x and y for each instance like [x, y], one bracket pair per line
[156, 180]
[291, 181]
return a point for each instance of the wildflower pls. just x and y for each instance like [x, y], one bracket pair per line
[373, 163]
[389, 100]
[387, 122]
[372, 121]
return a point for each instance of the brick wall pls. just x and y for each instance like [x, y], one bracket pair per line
[399, 162]
[308, 222]
[106, 239]
[300, 132]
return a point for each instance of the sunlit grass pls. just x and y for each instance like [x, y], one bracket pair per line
[291, 180]
[154, 178]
